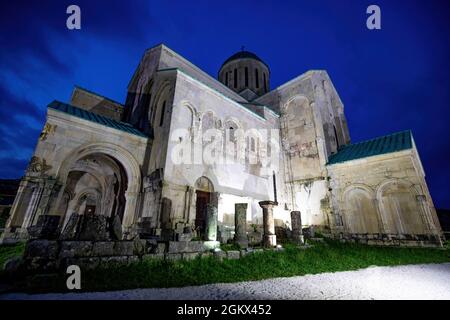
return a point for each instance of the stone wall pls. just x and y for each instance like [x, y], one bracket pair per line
[93, 102]
[383, 197]
[54, 255]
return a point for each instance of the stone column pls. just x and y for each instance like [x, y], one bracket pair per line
[269, 239]
[427, 216]
[296, 223]
[240, 224]
[129, 212]
[32, 209]
[381, 221]
[211, 222]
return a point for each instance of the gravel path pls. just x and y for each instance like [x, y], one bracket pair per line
[429, 281]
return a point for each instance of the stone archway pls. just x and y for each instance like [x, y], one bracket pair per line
[97, 183]
[117, 177]
[360, 213]
[400, 208]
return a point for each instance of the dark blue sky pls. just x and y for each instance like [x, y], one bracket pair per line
[393, 79]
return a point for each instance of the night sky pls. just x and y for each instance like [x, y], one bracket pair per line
[389, 80]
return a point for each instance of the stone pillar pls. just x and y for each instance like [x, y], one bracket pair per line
[269, 238]
[296, 223]
[129, 212]
[211, 222]
[428, 218]
[32, 209]
[240, 224]
[166, 228]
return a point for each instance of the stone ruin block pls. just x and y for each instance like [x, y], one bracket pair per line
[144, 228]
[220, 254]
[94, 227]
[41, 248]
[103, 248]
[123, 248]
[86, 263]
[45, 228]
[185, 246]
[70, 249]
[233, 254]
[71, 229]
[211, 222]
[156, 256]
[190, 255]
[240, 218]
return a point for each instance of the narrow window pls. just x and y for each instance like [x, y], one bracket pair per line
[235, 78]
[265, 82]
[252, 147]
[163, 110]
[336, 137]
[256, 79]
[246, 76]
[231, 134]
[226, 78]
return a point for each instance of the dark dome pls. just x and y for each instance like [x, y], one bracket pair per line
[243, 55]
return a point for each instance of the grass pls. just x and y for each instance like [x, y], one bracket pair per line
[230, 247]
[10, 251]
[323, 257]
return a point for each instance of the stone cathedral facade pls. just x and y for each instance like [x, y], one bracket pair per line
[121, 162]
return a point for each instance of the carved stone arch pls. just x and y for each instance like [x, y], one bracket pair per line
[188, 104]
[234, 120]
[194, 121]
[360, 211]
[160, 97]
[387, 182]
[398, 202]
[362, 186]
[204, 184]
[186, 120]
[291, 99]
[129, 164]
[86, 192]
[117, 152]
[93, 172]
[213, 119]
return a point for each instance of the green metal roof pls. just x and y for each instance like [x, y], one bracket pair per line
[391, 143]
[93, 117]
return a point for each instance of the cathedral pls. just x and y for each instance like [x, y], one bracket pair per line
[186, 151]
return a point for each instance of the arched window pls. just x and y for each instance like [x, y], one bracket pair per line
[252, 146]
[235, 78]
[246, 76]
[144, 110]
[256, 78]
[336, 137]
[231, 134]
[163, 110]
[265, 82]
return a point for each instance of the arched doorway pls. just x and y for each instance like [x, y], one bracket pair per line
[204, 189]
[96, 184]
[128, 164]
